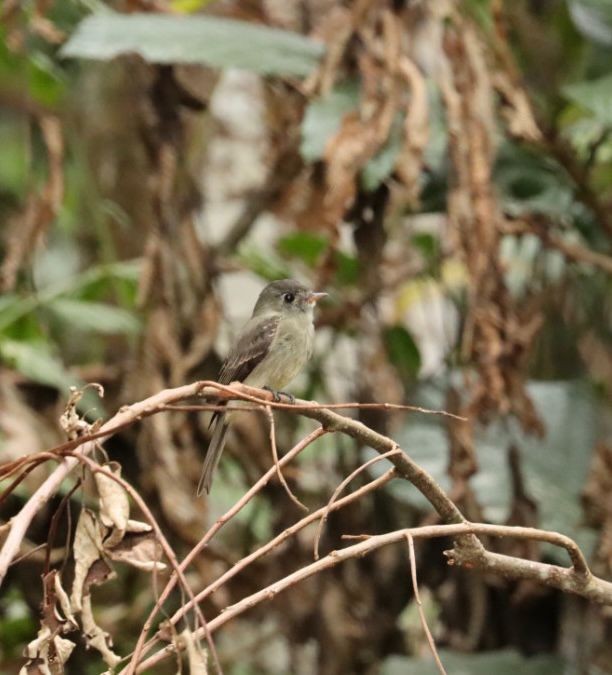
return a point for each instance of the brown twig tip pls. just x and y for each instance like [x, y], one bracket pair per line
[279, 473]
[263, 397]
[417, 599]
[339, 489]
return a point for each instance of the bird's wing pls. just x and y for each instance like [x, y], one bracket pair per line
[250, 350]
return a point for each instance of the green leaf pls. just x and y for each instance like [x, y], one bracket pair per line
[35, 361]
[205, 40]
[347, 269]
[323, 118]
[379, 168]
[531, 182]
[403, 352]
[593, 18]
[309, 247]
[554, 467]
[21, 307]
[95, 316]
[427, 245]
[266, 266]
[304, 245]
[594, 96]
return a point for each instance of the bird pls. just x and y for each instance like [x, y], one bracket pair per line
[270, 350]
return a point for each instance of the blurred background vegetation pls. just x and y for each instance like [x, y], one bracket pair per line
[444, 170]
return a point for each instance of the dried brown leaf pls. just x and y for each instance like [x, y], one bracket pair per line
[96, 636]
[87, 550]
[47, 654]
[71, 422]
[140, 550]
[114, 504]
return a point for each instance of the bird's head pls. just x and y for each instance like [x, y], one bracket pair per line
[286, 296]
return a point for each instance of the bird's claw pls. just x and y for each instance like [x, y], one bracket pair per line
[277, 395]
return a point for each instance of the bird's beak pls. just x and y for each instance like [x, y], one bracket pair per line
[313, 298]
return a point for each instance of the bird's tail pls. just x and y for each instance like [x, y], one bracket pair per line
[215, 448]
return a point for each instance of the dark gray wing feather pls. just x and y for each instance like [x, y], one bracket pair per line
[250, 350]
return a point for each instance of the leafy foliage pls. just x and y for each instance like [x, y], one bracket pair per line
[196, 39]
[446, 177]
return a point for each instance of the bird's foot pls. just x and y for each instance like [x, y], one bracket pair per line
[277, 395]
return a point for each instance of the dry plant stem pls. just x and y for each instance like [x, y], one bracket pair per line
[332, 421]
[338, 490]
[126, 415]
[417, 598]
[279, 473]
[219, 523]
[168, 550]
[279, 539]
[570, 580]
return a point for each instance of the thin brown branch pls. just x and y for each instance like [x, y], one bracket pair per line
[128, 415]
[280, 539]
[168, 550]
[83, 446]
[339, 489]
[571, 580]
[417, 599]
[279, 473]
[219, 523]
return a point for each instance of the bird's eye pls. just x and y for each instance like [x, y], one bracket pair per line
[288, 297]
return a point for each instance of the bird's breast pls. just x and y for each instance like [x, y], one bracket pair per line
[289, 352]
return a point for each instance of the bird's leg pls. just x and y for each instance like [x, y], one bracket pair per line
[277, 394]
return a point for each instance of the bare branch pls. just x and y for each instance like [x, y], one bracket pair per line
[168, 550]
[417, 599]
[279, 473]
[220, 522]
[339, 489]
[277, 541]
[566, 579]
[128, 415]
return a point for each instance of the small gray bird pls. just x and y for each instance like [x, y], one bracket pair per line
[270, 351]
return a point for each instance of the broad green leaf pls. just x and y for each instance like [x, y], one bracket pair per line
[347, 269]
[403, 352]
[212, 41]
[502, 662]
[593, 18]
[530, 182]
[554, 467]
[126, 270]
[304, 245]
[309, 247]
[267, 266]
[35, 361]
[95, 316]
[379, 168]
[594, 96]
[323, 118]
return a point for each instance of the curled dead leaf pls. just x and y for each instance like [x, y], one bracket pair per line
[70, 421]
[141, 550]
[87, 550]
[114, 504]
[96, 636]
[47, 654]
